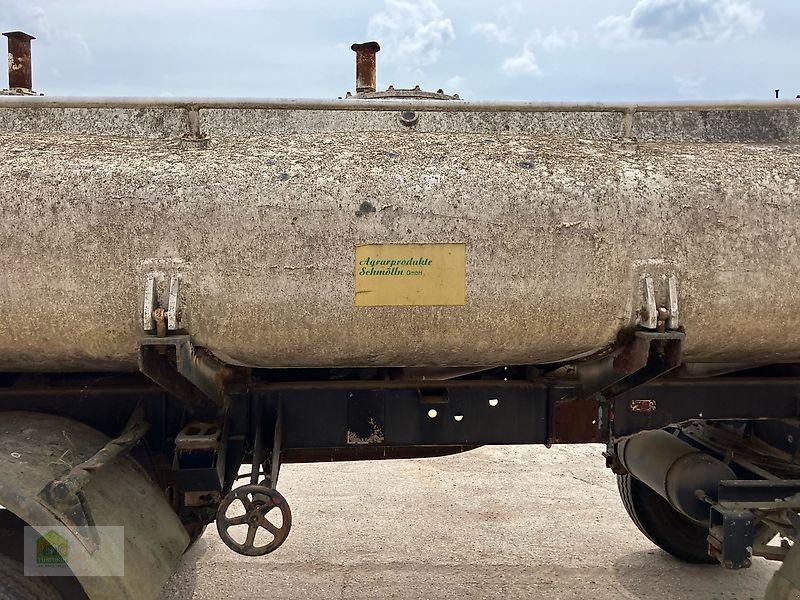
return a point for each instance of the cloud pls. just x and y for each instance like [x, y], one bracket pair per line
[492, 32]
[682, 20]
[454, 82]
[524, 63]
[412, 33]
[689, 87]
[33, 19]
[556, 39]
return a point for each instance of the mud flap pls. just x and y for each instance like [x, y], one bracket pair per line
[37, 448]
[785, 584]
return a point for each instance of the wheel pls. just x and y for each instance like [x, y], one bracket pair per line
[256, 502]
[663, 525]
[14, 585]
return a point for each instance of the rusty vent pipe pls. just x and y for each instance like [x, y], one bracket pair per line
[365, 66]
[19, 61]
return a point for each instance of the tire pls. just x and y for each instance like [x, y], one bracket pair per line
[667, 528]
[14, 585]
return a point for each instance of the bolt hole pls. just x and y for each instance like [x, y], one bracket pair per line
[432, 413]
[458, 417]
[408, 118]
[594, 422]
[493, 401]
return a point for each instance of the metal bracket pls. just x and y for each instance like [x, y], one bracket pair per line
[199, 461]
[64, 496]
[196, 377]
[154, 316]
[660, 313]
[730, 538]
[266, 462]
[626, 142]
[648, 356]
[741, 505]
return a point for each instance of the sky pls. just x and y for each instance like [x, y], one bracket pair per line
[544, 50]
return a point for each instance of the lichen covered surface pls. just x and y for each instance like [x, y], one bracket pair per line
[261, 223]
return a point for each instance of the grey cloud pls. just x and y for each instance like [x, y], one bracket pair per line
[682, 20]
[33, 19]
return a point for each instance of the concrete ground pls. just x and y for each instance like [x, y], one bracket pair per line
[497, 522]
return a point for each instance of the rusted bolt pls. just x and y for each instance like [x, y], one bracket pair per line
[408, 118]
[365, 66]
[160, 317]
[661, 326]
[19, 61]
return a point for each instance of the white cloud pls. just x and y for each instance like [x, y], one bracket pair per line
[492, 32]
[689, 87]
[556, 39]
[454, 83]
[412, 33]
[682, 20]
[524, 63]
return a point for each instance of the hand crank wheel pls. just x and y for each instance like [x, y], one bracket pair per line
[258, 501]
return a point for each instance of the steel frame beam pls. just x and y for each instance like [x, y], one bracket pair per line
[350, 419]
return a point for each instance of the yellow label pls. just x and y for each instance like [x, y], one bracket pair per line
[410, 274]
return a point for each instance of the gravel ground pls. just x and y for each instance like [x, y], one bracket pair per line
[497, 522]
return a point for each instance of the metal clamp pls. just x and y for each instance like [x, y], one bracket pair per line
[155, 317]
[655, 310]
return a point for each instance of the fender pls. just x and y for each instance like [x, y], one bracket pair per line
[785, 584]
[36, 448]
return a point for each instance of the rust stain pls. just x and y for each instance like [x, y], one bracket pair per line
[575, 421]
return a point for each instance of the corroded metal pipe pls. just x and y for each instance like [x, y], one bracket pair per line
[365, 66]
[19, 61]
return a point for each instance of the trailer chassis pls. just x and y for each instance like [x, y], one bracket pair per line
[207, 419]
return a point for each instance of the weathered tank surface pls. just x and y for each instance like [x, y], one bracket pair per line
[259, 206]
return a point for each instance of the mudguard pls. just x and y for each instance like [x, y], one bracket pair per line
[785, 584]
[36, 448]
